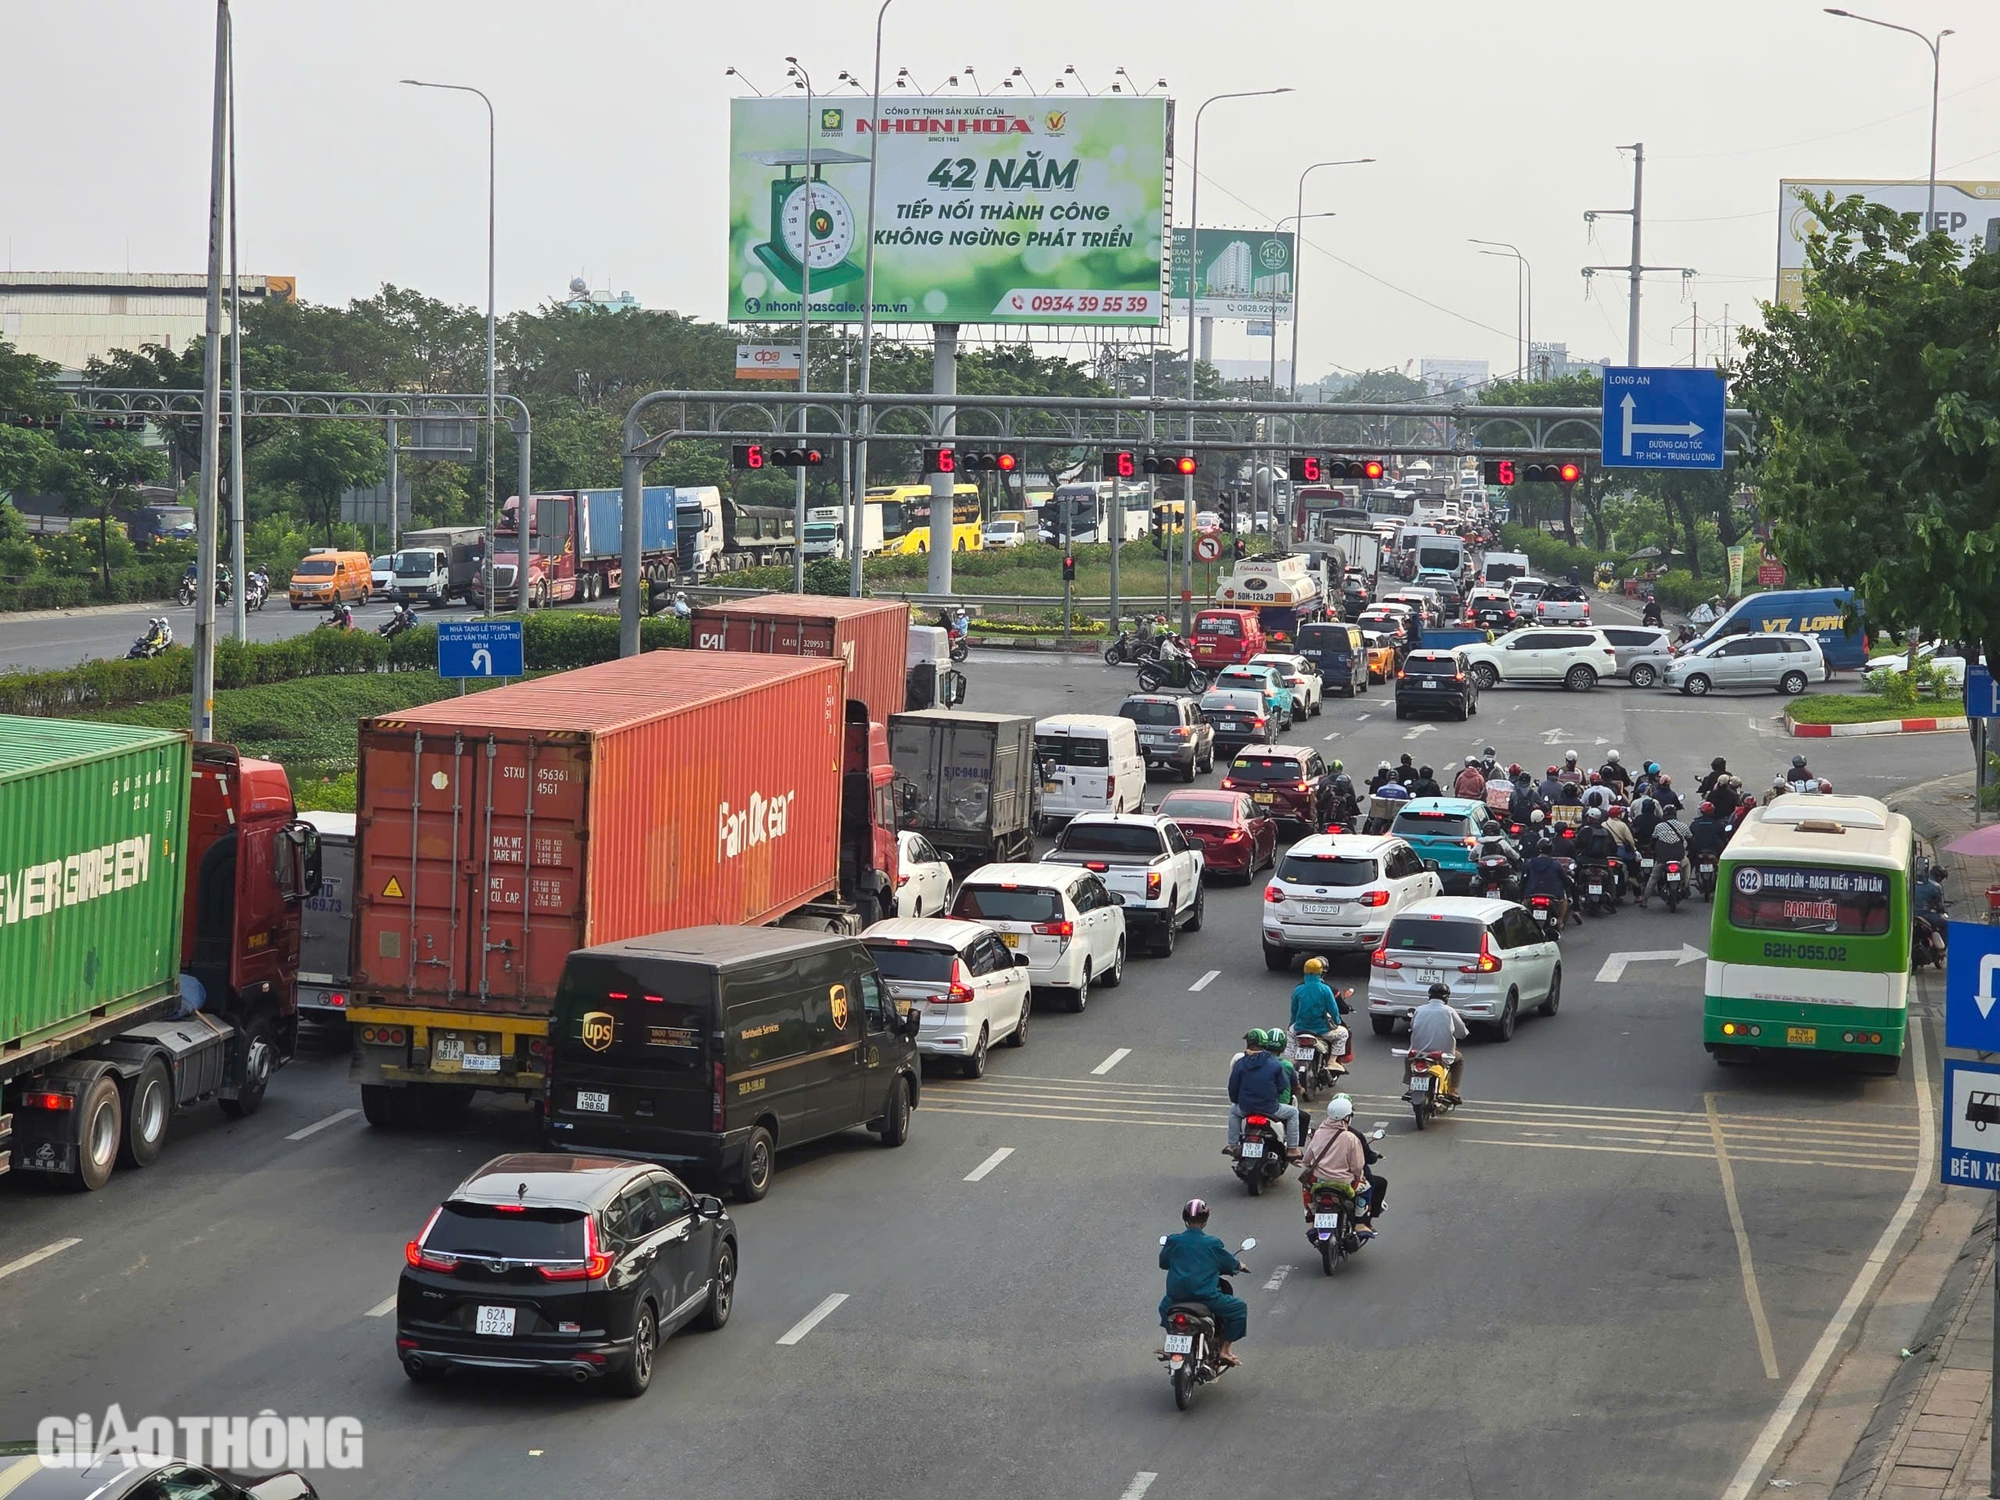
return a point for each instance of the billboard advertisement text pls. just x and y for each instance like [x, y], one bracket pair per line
[1967, 211]
[1238, 273]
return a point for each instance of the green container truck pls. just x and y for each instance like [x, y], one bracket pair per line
[129, 857]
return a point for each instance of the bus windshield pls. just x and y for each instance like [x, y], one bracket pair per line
[1809, 898]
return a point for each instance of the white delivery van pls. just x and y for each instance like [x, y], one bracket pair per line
[1089, 763]
[1502, 567]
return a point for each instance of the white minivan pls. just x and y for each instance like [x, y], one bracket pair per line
[1089, 763]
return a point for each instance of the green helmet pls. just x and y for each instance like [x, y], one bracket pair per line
[1274, 1039]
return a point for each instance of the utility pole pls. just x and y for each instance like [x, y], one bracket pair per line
[1636, 268]
[211, 401]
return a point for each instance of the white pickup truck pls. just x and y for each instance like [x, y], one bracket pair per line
[1146, 861]
[1563, 603]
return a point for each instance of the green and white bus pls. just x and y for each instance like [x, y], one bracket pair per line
[1809, 945]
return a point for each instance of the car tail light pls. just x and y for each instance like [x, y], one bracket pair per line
[901, 881]
[596, 1262]
[1273, 894]
[717, 1099]
[1235, 836]
[960, 992]
[1259, 721]
[1380, 959]
[1458, 677]
[1055, 929]
[420, 1259]
[1183, 732]
[1375, 898]
[1486, 963]
[1152, 884]
[1400, 675]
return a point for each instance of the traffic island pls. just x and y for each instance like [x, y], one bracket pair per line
[1836, 715]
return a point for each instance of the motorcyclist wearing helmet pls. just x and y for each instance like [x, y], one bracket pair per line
[1336, 1153]
[1384, 773]
[1544, 875]
[1571, 771]
[1426, 784]
[1647, 779]
[1669, 799]
[1470, 781]
[1489, 763]
[1598, 794]
[1346, 806]
[1318, 1009]
[1436, 1027]
[1670, 844]
[1195, 1262]
[1614, 772]
[1277, 1043]
[1799, 772]
[1596, 844]
[1705, 833]
[1258, 1086]
[1628, 845]
[1717, 769]
[1650, 615]
[1549, 787]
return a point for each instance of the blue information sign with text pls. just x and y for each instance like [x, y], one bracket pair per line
[479, 648]
[1663, 418]
[1980, 701]
[1971, 1154]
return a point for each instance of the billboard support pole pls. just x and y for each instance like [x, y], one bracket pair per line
[805, 327]
[211, 406]
[523, 510]
[389, 471]
[867, 417]
[944, 382]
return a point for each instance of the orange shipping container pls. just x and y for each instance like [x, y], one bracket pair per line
[671, 789]
[872, 636]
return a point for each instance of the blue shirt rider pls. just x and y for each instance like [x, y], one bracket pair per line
[1316, 1010]
[1195, 1262]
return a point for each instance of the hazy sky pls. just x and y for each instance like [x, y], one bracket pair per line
[1496, 120]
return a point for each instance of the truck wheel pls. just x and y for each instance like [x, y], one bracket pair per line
[753, 1178]
[378, 1104]
[260, 1058]
[1166, 933]
[1200, 910]
[149, 1104]
[100, 1123]
[896, 1118]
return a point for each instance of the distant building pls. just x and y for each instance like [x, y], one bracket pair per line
[1553, 361]
[582, 298]
[1229, 274]
[71, 317]
[1443, 377]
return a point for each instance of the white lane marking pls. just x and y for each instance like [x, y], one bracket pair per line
[1421, 729]
[1614, 966]
[1278, 1275]
[1141, 1482]
[36, 1257]
[318, 1125]
[1362, 718]
[1111, 1062]
[383, 1308]
[1743, 1261]
[812, 1319]
[1803, 1383]
[1202, 983]
[989, 1164]
[1334, 736]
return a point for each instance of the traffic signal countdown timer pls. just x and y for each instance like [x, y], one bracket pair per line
[951, 461]
[1123, 463]
[757, 456]
[1504, 472]
[1310, 468]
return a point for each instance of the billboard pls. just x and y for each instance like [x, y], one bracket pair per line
[1238, 273]
[988, 210]
[1445, 375]
[1968, 211]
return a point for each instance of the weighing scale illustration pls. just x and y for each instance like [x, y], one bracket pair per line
[811, 223]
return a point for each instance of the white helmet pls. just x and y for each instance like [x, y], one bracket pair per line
[1611, 756]
[1569, 757]
[1340, 1107]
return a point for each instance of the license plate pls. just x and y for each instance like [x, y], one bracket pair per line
[1322, 908]
[1299, 1054]
[1326, 1221]
[1430, 684]
[599, 1104]
[481, 1062]
[1011, 939]
[1180, 1343]
[1645, 864]
[1422, 1083]
[1597, 890]
[496, 1320]
[1253, 1148]
[1430, 976]
[1802, 1036]
[1263, 798]
[447, 1049]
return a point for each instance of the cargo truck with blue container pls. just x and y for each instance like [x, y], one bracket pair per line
[130, 858]
[576, 546]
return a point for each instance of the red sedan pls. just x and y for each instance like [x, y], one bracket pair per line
[1227, 827]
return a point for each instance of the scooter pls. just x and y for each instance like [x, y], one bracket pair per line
[1424, 1076]
[1674, 884]
[1316, 1067]
[1927, 945]
[1704, 875]
[1128, 650]
[1180, 673]
[1498, 878]
[342, 618]
[1542, 910]
[157, 637]
[1191, 1346]
[1261, 1156]
[1600, 889]
[1331, 1224]
[403, 619]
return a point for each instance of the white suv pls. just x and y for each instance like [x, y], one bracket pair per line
[1489, 953]
[1147, 862]
[1071, 927]
[1336, 893]
[967, 986]
[1563, 654]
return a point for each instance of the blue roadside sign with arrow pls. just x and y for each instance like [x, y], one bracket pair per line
[479, 648]
[1663, 418]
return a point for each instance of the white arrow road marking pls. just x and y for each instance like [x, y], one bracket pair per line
[1614, 966]
[812, 1319]
[318, 1125]
[36, 1257]
[1111, 1062]
[1663, 429]
[989, 1164]
[1141, 1482]
[1202, 983]
[1421, 729]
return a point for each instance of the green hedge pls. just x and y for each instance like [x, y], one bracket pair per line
[554, 643]
[128, 586]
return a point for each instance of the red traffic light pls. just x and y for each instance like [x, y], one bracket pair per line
[1570, 473]
[1372, 469]
[1006, 463]
[1118, 463]
[1185, 464]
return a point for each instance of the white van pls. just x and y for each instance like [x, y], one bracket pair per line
[1089, 763]
[1501, 567]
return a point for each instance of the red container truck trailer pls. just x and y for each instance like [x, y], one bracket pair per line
[498, 833]
[870, 636]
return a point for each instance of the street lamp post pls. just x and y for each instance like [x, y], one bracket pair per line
[1297, 260]
[1930, 196]
[805, 319]
[1293, 384]
[492, 405]
[1524, 301]
[854, 528]
[1194, 229]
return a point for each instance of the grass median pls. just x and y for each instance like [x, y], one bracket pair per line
[1867, 708]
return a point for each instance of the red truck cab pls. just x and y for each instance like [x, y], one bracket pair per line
[551, 552]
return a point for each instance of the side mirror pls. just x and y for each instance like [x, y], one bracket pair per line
[1378, 1132]
[1431, 865]
[910, 1024]
[1163, 1239]
[1021, 960]
[1116, 898]
[708, 1206]
[1249, 1245]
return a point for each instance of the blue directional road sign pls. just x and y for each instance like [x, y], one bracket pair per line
[479, 648]
[1972, 987]
[1663, 418]
[1981, 702]
[1971, 1154]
